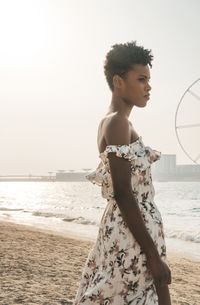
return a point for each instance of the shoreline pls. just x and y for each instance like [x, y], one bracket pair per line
[179, 245]
[44, 267]
[44, 230]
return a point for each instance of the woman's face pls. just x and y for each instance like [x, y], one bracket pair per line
[135, 86]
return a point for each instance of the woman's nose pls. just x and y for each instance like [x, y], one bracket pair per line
[148, 87]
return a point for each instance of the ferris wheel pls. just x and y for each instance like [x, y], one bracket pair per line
[187, 122]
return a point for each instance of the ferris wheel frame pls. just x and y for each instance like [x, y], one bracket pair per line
[185, 126]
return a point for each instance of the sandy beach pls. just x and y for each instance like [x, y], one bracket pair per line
[44, 267]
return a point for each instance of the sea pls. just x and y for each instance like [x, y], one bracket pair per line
[76, 208]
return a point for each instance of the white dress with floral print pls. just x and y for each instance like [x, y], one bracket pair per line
[116, 269]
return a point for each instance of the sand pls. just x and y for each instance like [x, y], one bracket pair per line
[44, 267]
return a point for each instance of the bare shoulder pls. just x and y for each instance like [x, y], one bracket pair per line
[117, 130]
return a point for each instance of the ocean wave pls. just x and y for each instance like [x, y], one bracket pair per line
[81, 220]
[6, 209]
[63, 217]
[195, 210]
[45, 214]
[186, 236]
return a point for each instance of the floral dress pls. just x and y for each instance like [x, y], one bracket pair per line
[116, 269]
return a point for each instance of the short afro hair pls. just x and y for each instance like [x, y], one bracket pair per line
[121, 58]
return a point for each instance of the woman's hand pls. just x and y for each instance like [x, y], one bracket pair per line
[160, 271]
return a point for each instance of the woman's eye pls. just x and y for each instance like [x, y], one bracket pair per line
[143, 80]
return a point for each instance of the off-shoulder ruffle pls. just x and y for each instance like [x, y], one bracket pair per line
[97, 176]
[140, 156]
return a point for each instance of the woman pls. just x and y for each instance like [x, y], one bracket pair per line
[128, 263]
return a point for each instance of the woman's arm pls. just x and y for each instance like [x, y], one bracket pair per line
[118, 132]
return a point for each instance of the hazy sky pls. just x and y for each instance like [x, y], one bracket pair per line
[53, 91]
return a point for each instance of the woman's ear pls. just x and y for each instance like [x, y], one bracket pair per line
[117, 81]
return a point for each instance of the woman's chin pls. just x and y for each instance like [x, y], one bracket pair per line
[141, 105]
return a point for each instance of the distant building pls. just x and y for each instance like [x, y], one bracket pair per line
[70, 176]
[166, 164]
[166, 169]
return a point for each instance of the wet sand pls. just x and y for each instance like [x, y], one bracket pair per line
[44, 267]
